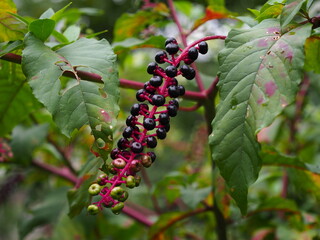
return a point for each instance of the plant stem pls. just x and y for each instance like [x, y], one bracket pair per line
[177, 22]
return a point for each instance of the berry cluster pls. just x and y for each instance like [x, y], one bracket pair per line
[149, 122]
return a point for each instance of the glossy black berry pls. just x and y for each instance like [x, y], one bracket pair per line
[161, 133]
[152, 155]
[173, 81]
[151, 67]
[173, 91]
[182, 91]
[135, 109]
[188, 61]
[136, 147]
[203, 47]
[144, 107]
[114, 153]
[172, 110]
[140, 95]
[149, 88]
[156, 81]
[174, 102]
[160, 56]
[167, 127]
[123, 143]
[151, 142]
[127, 132]
[171, 71]
[158, 100]
[164, 118]
[172, 48]
[193, 53]
[187, 72]
[131, 121]
[149, 123]
[170, 40]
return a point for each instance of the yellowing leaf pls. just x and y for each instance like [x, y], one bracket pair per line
[10, 28]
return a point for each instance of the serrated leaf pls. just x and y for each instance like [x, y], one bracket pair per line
[270, 156]
[312, 49]
[289, 11]
[79, 198]
[259, 75]
[25, 140]
[85, 103]
[42, 28]
[10, 28]
[16, 98]
[134, 43]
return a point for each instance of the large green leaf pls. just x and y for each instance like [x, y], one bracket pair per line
[289, 11]
[82, 102]
[16, 98]
[259, 75]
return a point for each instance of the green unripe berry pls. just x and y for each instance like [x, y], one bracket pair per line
[124, 196]
[137, 180]
[111, 169]
[116, 209]
[119, 163]
[146, 161]
[130, 182]
[100, 179]
[94, 189]
[93, 209]
[116, 192]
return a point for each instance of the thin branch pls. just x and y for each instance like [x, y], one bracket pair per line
[177, 22]
[191, 109]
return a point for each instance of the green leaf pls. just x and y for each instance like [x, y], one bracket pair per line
[83, 102]
[16, 98]
[10, 47]
[289, 11]
[312, 49]
[47, 14]
[25, 140]
[259, 75]
[42, 28]
[79, 198]
[45, 212]
[272, 157]
[60, 13]
[10, 28]
[131, 25]
[134, 43]
[277, 204]
[269, 11]
[192, 195]
[72, 33]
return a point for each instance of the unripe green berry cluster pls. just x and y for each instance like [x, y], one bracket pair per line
[149, 122]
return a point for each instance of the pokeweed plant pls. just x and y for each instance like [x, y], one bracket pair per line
[266, 115]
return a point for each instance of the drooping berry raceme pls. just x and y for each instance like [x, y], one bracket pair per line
[148, 123]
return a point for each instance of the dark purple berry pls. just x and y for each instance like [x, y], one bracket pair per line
[173, 91]
[203, 47]
[152, 155]
[140, 95]
[171, 71]
[135, 109]
[152, 67]
[123, 143]
[158, 100]
[156, 81]
[172, 110]
[114, 153]
[174, 102]
[136, 147]
[188, 61]
[149, 123]
[170, 40]
[167, 127]
[187, 72]
[149, 89]
[131, 121]
[127, 132]
[182, 91]
[151, 142]
[144, 106]
[161, 133]
[193, 53]
[164, 118]
[172, 48]
[160, 56]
